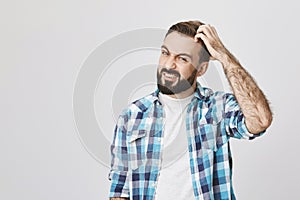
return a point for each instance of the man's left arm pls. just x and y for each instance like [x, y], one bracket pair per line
[252, 101]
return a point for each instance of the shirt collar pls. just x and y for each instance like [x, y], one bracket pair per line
[201, 93]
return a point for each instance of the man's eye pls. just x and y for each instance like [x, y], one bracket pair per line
[183, 59]
[164, 53]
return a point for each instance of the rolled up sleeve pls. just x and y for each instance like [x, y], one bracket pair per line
[234, 120]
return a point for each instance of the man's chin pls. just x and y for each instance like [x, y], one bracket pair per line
[169, 90]
[165, 90]
[170, 84]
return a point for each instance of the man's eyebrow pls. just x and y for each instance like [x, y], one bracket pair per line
[185, 54]
[180, 54]
[164, 47]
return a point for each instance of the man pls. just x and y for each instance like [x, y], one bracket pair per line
[181, 107]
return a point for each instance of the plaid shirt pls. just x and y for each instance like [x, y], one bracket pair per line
[212, 118]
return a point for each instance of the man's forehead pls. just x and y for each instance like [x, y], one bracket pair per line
[179, 43]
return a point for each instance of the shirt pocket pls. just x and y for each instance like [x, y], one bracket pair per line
[136, 149]
[212, 137]
[208, 136]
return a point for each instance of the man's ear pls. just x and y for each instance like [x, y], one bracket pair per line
[202, 67]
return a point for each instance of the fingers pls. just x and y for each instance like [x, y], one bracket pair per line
[209, 36]
[208, 30]
[204, 32]
[214, 31]
[202, 36]
[205, 39]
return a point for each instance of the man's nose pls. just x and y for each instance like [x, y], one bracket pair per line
[170, 63]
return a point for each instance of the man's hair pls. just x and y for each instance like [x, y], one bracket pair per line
[189, 28]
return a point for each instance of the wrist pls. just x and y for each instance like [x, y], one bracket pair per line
[225, 61]
[229, 61]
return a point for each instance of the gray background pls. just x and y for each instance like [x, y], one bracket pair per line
[43, 45]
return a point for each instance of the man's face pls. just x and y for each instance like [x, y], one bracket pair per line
[178, 64]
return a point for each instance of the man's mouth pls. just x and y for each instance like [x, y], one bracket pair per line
[170, 77]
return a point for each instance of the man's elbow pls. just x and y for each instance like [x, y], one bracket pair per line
[259, 124]
[266, 121]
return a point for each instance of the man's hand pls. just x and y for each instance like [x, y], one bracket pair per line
[209, 36]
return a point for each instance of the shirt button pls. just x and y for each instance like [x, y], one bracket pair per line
[159, 139]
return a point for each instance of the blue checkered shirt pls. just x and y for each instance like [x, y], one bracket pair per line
[136, 150]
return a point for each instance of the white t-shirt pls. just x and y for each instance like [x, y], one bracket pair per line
[175, 181]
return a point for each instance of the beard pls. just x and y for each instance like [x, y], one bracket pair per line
[168, 87]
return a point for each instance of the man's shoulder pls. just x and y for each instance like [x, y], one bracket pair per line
[216, 99]
[208, 94]
[142, 104]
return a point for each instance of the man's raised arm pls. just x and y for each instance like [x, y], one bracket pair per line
[252, 101]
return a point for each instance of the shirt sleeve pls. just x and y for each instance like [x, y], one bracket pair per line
[235, 121]
[119, 161]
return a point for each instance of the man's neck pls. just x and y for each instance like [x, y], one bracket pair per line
[185, 93]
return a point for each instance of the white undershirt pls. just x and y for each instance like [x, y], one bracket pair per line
[175, 181]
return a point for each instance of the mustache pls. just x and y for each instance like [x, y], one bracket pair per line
[170, 71]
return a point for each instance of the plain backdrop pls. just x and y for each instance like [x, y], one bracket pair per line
[43, 45]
